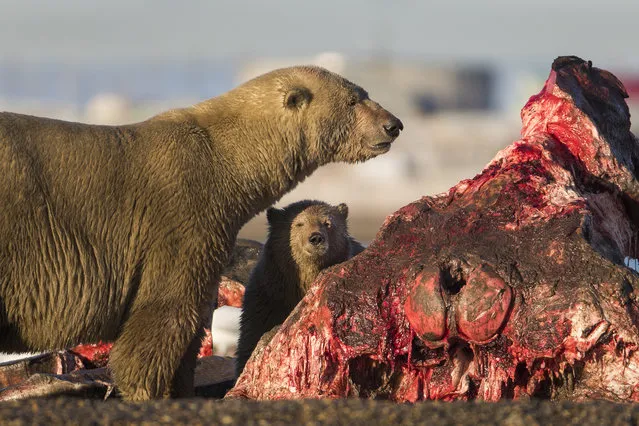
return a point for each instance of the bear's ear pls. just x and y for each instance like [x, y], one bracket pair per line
[274, 215]
[297, 98]
[342, 209]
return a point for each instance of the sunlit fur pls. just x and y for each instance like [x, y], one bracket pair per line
[289, 264]
[120, 232]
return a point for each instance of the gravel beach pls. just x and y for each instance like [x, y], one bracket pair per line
[75, 411]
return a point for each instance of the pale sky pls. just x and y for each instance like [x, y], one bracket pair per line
[536, 31]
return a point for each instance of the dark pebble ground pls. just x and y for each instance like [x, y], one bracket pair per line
[72, 411]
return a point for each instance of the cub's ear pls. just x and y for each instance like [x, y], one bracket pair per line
[298, 98]
[342, 209]
[274, 215]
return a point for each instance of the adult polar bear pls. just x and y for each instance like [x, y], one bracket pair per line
[120, 233]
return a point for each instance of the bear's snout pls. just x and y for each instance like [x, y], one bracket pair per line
[316, 238]
[393, 127]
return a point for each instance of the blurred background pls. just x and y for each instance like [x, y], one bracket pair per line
[456, 72]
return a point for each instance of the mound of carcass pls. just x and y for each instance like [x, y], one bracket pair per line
[512, 284]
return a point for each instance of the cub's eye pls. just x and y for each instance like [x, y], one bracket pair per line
[299, 224]
[352, 101]
[327, 223]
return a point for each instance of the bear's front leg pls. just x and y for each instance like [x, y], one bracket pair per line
[157, 350]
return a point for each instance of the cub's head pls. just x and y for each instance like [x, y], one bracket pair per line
[322, 115]
[316, 232]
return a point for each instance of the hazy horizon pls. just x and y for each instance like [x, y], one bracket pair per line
[454, 30]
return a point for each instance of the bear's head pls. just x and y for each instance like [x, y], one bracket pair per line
[315, 232]
[319, 116]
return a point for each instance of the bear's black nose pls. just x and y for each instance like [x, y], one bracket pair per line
[316, 238]
[393, 127]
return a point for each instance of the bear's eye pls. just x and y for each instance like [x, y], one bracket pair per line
[327, 223]
[299, 224]
[353, 101]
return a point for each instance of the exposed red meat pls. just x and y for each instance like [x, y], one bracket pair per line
[93, 355]
[512, 284]
[230, 293]
[207, 344]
